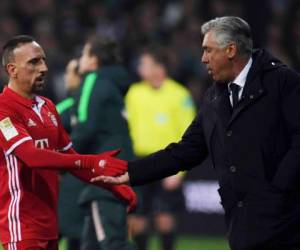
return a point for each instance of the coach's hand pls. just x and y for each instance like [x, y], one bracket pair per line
[116, 180]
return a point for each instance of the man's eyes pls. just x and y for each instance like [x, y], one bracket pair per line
[208, 50]
[36, 61]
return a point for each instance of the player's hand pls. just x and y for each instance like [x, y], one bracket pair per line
[106, 164]
[126, 194]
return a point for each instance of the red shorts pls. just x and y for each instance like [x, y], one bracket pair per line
[32, 245]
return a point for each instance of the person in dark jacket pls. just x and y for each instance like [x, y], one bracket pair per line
[101, 124]
[249, 125]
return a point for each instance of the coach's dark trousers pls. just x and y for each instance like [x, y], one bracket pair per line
[263, 219]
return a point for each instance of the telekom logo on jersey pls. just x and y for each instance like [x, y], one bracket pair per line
[42, 143]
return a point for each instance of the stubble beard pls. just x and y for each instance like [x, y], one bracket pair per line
[38, 88]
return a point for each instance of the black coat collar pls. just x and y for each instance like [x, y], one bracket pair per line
[253, 90]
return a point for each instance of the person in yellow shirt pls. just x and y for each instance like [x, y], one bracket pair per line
[159, 110]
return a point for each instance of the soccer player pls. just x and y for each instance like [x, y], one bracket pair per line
[34, 146]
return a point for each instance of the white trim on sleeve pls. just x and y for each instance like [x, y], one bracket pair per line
[66, 148]
[16, 144]
[14, 206]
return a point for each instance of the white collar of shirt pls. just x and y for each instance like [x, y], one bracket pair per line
[37, 108]
[241, 78]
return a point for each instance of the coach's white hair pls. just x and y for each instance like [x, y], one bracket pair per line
[230, 29]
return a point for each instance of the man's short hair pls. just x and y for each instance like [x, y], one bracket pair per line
[105, 49]
[11, 45]
[229, 29]
[158, 53]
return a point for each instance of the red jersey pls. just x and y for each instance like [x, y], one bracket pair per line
[28, 197]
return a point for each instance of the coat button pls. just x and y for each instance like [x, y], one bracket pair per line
[229, 133]
[232, 169]
[240, 204]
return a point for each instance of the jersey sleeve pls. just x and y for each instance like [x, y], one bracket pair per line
[12, 132]
[64, 141]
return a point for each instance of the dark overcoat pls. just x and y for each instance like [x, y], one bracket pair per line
[255, 150]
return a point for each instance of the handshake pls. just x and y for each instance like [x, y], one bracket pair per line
[105, 165]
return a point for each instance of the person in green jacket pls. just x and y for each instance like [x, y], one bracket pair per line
[101, 125]
[70, 214]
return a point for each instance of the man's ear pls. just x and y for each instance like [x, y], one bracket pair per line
[11, 70]
[231, 51]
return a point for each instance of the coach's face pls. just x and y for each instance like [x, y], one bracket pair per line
[218, 60]
[28, 68]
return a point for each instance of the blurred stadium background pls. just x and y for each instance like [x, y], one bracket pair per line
[62, 26]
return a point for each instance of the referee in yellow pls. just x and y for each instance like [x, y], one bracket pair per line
[159, 110]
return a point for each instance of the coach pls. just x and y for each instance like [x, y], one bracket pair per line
[249, 124]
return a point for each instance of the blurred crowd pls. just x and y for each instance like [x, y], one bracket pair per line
[61, 27]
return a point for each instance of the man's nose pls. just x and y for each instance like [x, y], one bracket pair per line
[44, 67]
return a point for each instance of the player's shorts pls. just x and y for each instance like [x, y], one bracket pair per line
[32, 245]
[154, 199]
